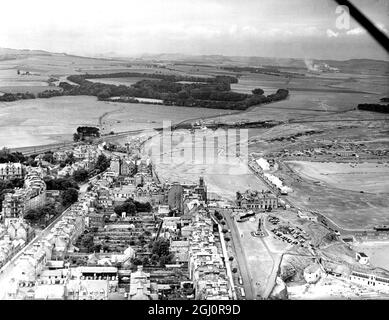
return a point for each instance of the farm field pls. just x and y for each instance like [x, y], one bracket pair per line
[310, 96]
[135, 116]
[11, 82]
[149, 100]
[126, 81]
[300, 105]
[43, 121]
[367, 177]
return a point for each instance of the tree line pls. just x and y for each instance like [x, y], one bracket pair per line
[212, 92]
[381, 108]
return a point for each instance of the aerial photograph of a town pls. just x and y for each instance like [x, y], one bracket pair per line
[194, 150]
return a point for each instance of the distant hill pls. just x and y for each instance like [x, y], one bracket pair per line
[359, 66]
[8, 51]
[367, 66]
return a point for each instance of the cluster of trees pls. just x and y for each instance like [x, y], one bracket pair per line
[102, 163]
[68, 187]
[115, 147]
[381, 108]
[80, 175]
[168, 77]
[218, 215]
[50, 93]
[131, 207]
[60, 183]
[87, 243]
[69, 196]
[43, 214]
[167, 88]
[48, 156]
[7, 156]
[86, 131]
[200, 92]
[280, 94]
[228, 100]
[161, 252]
[8, 97]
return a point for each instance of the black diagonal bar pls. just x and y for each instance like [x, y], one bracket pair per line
[376, 33]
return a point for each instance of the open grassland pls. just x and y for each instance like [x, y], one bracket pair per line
[11, 82]
[367, 177]
[348, 209]
[299, 105]
[41, 68]
[135, 116]
[56, 64]
[309, 96]
[126, 81]
[42, 121]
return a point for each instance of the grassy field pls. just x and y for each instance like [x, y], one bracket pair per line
[367, 177]
[134, 116]
[42, 121]
[348, 209]
[127, 81]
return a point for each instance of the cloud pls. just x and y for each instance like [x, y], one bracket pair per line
[361, 31]
[356, 31]
[331, 34]
[382, 28]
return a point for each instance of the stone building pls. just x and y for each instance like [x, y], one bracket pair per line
[251, 199]
[12, 170]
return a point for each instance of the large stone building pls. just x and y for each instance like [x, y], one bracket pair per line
[140, 286]
[178, 193]
[12, 170]
[87, 152]
[256, 200]
[175, 197]
[123, 166]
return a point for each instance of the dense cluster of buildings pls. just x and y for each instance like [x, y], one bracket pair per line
[51, 246]
[13, 237]
[206, 266]
[21, 200]
[84, 156]
[93, 252]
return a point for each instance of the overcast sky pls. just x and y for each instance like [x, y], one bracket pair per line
[270, 28]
